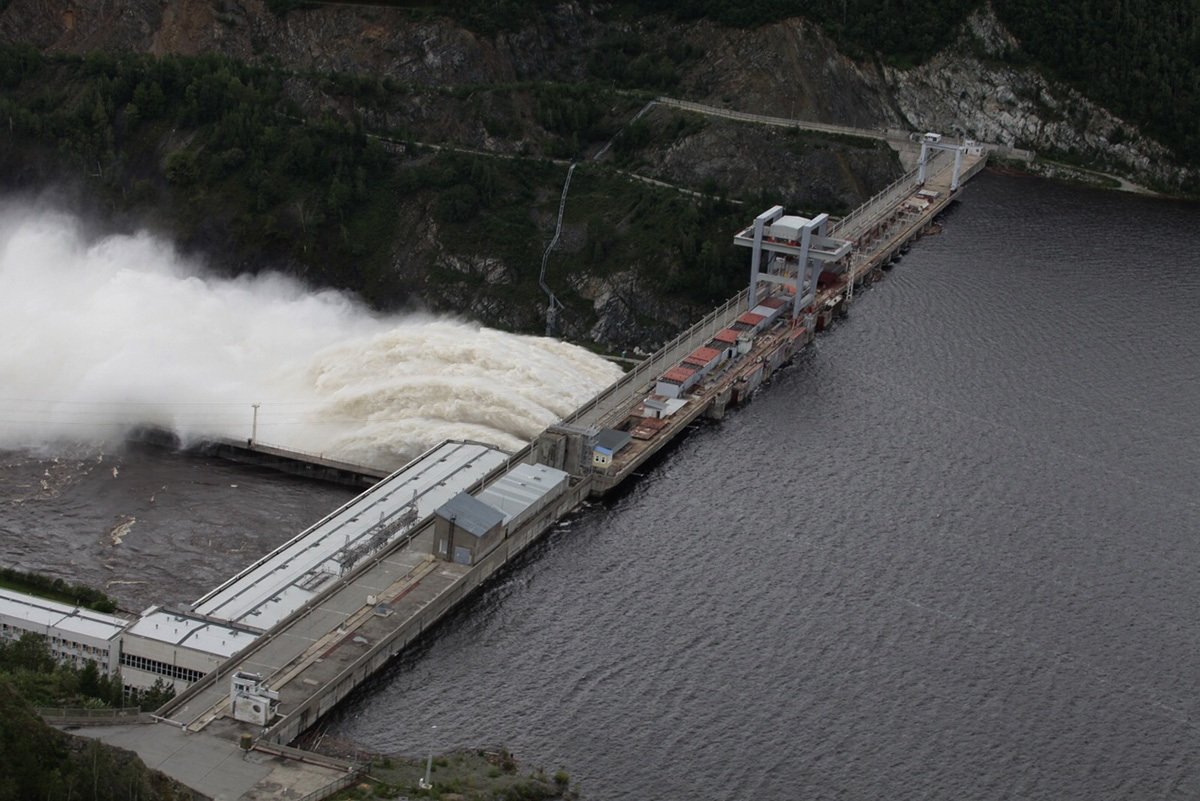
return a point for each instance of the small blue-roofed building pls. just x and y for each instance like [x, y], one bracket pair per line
[608, 442]
[466, 529]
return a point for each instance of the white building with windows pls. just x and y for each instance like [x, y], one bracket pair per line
[177, 647]
[73, 635]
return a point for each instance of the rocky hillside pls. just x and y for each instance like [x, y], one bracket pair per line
[419, 159]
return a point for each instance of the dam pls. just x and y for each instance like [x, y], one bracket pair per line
[356, 605]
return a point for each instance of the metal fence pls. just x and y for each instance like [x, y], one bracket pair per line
[649, 367]
[331, 788]
[845, 226]
[98, 717]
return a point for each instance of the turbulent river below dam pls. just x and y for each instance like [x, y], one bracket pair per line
[949, 553]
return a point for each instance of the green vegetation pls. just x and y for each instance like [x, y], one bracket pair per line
[691, 239]
[1140, 60]
[56, 590]
[238, 158]
[627, 60]
[902, 33]
[463, 776]
[39, 762]
[498, 212]
[214, 150]
[28, 667]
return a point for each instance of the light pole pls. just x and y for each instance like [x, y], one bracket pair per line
[425, 784]
[254, 424]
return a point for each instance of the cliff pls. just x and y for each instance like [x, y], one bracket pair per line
[417, 160]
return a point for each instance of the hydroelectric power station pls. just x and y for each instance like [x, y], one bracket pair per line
[261, 658]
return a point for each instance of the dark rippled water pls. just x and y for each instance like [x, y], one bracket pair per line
[951, 553]
[148, 526]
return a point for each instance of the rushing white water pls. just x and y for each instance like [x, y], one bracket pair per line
[101, 334]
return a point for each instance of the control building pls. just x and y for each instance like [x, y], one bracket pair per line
[469, 527]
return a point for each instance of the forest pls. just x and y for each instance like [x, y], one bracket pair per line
[1141, 60]
[365, 194]
[317, 197]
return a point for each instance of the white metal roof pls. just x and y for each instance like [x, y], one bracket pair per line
[521, 487]
[52, 618]
[191, 632]
[279, 583]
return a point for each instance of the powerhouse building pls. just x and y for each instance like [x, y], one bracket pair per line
[181, 646]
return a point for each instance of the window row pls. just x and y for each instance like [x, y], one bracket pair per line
[161, 668]
[59, 647]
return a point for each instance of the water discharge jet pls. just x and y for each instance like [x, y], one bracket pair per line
[104, 334]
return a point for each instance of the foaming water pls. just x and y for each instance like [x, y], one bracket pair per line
[102, 334]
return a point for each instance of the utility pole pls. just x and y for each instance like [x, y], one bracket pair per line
[426, 784]
[254, 425]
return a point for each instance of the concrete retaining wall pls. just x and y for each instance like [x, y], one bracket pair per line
[291, 727]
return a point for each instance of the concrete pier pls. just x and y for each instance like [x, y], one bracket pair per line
[286, 460]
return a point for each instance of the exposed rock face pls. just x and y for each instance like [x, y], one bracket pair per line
[968, 88]
[458, 88]
[784, 69]
[788, 69]
[803, 170]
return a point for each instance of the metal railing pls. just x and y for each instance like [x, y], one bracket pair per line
[903, 183]
[300, 755]
[649, 365]
[423, 617]
[125, 714]
[331, 788]
[258, 446]
[342, 583]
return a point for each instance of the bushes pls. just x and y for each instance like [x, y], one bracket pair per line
[55, 589]
[37, 761]
[236, 154]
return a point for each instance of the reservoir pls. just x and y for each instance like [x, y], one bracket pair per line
[950, 553]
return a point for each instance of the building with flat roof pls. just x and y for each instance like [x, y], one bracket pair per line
[525, 490]
[465, 529]
[468, 527]
[608, 442]
[282, 581]
[177, 647]
[73, 635]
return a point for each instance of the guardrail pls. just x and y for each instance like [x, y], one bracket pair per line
[433, 611]
[257, 446]
[226, 667]
[909, 179]
[650, 363]
[331, 788]
[62, 714]
[315, 758]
